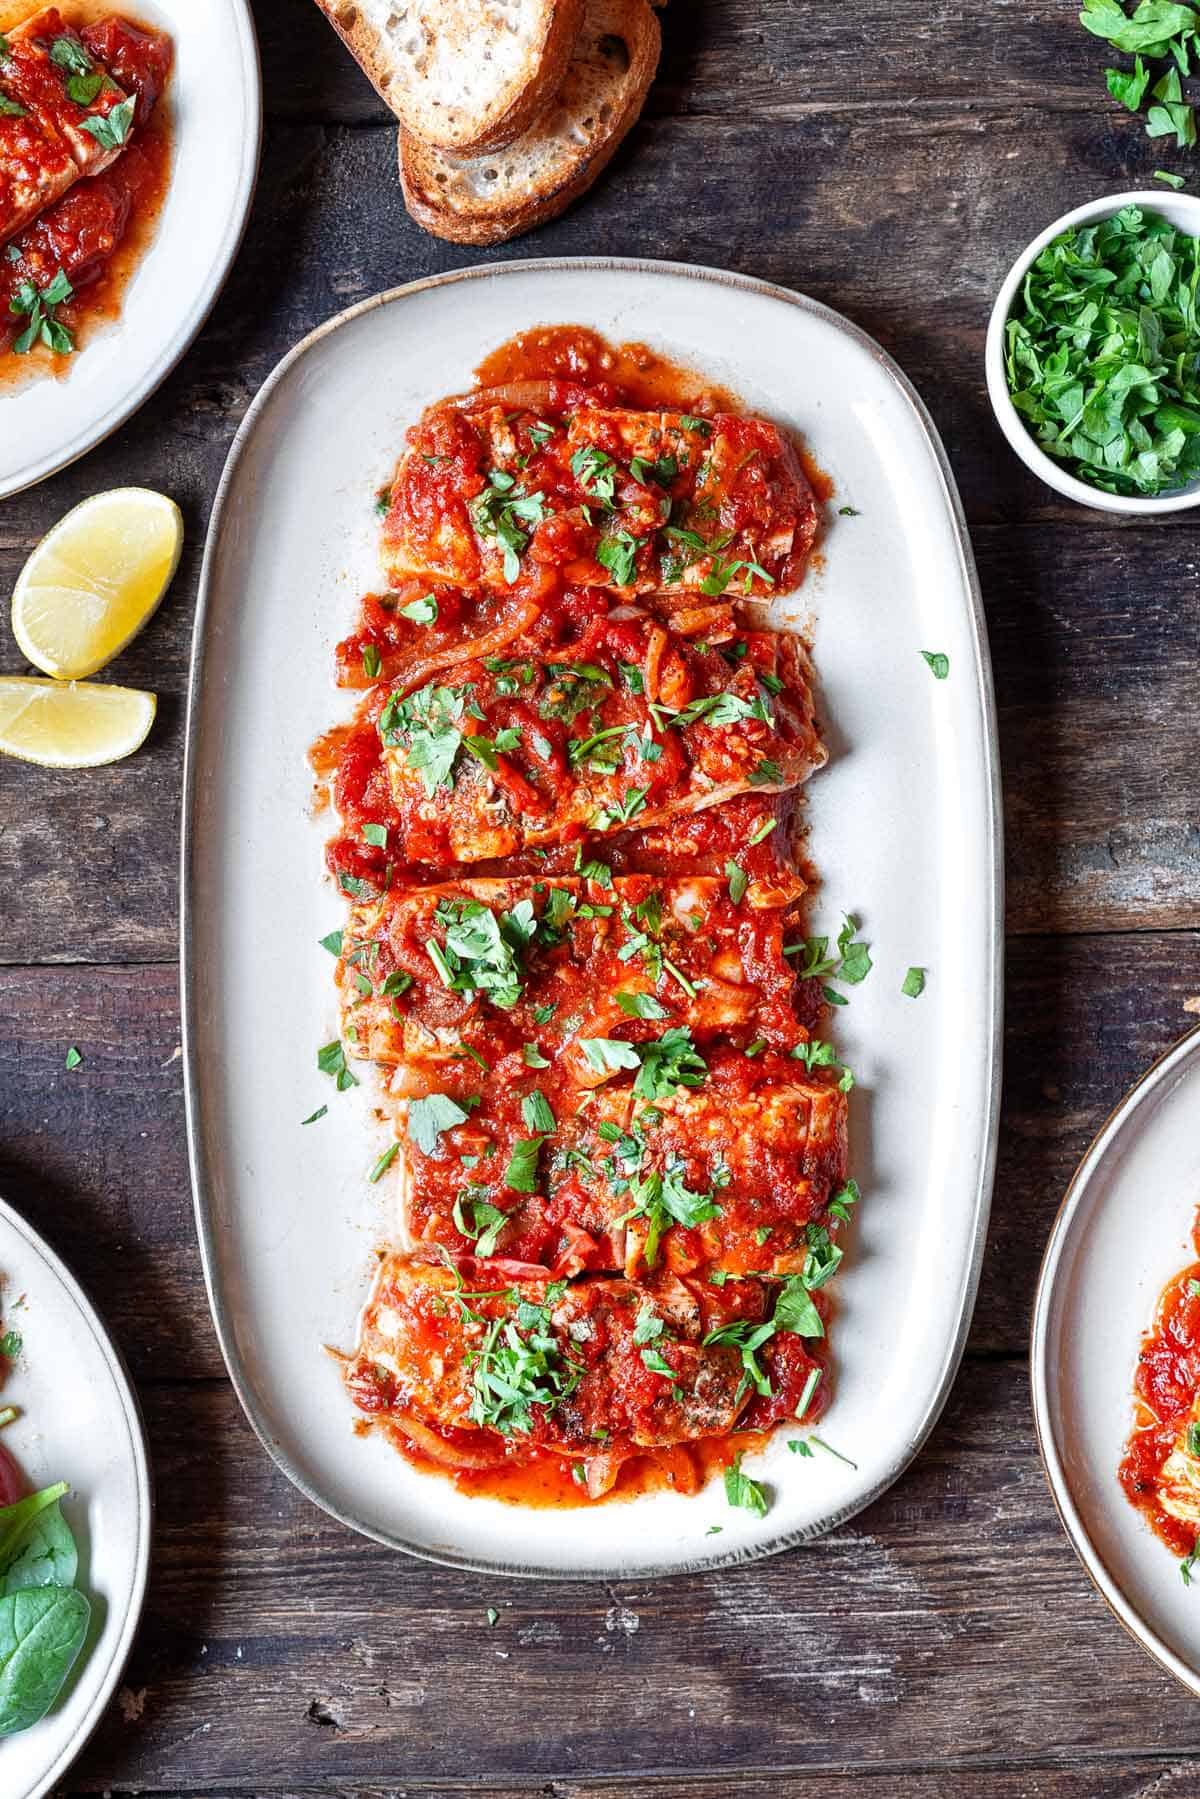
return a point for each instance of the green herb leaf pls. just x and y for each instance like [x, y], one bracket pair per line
[113, 130]
[743, 1492]
[422, 612]
[537, 1113]
[73, 1057]
[1167, 179]
[938, 663]
[913, 985]
[313, 1116]
[429, 1117]
[617, 552]
[522, 1171]
[384, 1163]
[738, 882]
[641, 1005]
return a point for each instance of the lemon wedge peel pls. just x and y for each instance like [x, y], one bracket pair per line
[95, 580]
[64, 724]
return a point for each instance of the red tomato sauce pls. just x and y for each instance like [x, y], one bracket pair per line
[1165, 1386]
[98, 233]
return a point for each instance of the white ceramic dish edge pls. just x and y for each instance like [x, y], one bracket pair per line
[980, 675]
[97, 431]
[1182, 210]
[112, 1357]
[1158, 1074]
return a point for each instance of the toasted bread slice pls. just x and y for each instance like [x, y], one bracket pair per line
[488, 199]
[463, 75]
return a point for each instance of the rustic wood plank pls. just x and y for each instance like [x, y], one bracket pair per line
[752, 58]
[97, 1157]
[1121, 1778]
[278, 1649]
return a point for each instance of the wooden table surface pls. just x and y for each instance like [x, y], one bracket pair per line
[891, 159]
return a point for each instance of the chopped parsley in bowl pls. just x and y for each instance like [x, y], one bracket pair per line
[1094, 355]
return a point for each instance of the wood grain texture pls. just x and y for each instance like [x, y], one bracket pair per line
[278, 1649]
[1152, 1778]
[730, 57]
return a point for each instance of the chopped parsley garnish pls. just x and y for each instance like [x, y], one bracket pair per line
[939, 663]
[815, 1054]
[384, 1163]
[662, 470]
[40, 307]
[1167, 179]
[11, 1344]
[641, 1005]
[595, 472]
[1103, 344]
[667, 1063]
[766, 774]
[505, 511]
[572, 688]
[372, 662]
[484, 1224]
[849, 512]
[738, 882]
[743, 1492]
[1193, 1439]
[617, 552]
[537, 1112]
[518, 1366]
[331, 1060]
[852, 962]
[843, 1199]
[422, 612]
[333, 943]
[376, 835]
[1188, 1562]
[112, 131]
[482, 950]
[608, 1054]
[913, 984]
[532, 1056]
[522, 1171]
[622, 811]
[689, 422]
[73, 1057]
[764, 830]
[11, 109]
[426, 725]
[429, 1117]
[313, 1116]
[664, 1199]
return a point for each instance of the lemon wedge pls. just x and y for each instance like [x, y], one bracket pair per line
[61, 725]
[92, 583]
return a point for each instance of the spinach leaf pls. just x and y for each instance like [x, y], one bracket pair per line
[16, 1520]
[46, 1556]
[42, 1630]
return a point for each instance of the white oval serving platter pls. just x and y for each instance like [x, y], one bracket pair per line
[905, 829]
[1125, 1228]
[78, 1422]
[216, 101]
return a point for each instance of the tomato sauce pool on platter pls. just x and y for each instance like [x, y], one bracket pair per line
[85, 153]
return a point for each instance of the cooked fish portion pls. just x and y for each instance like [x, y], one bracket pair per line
[508, 1358]
[526, 751]
[714, 1159]
[645, 502]
[500, 971]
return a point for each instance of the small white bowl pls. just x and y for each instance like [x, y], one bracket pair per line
[1180, 210]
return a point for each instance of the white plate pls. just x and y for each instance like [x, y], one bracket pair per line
[1124, 1230]
[215, 94]
[80, 1423]
[905, 828]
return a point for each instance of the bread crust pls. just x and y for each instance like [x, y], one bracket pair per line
[485, 225]
[526, 100]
